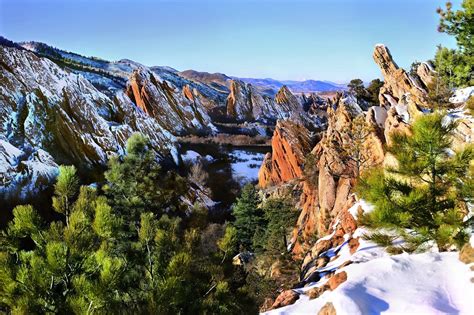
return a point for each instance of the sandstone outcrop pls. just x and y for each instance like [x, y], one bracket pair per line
[290, 144]
[50, 116]
[322, 201]
[245, 103]
[398, 84]
[179, 112]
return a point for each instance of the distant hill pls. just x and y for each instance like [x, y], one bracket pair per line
[308, 86]
[217, 80]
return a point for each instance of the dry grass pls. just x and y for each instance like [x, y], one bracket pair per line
[227, 139]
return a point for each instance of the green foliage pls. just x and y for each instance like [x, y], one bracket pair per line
[373, 91]
[427, 191]
[439, 94]
[136, 183]
[470, 105]
[369, 94]
[248, 215]
[356, 87]
[414, 68]
[456, 67]
[228, 243]
[281, 218]
[118, 256]
[459, 24]
[65, 188]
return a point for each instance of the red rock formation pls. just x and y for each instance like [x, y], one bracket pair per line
[179, 113]
[398, 83]
[246, 103]
[335, 178]
[290, 143]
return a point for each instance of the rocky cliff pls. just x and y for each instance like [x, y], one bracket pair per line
[291, 142]
[179, 112]
[399, 86]
[49, 115]
[246, 103]
[326, 231]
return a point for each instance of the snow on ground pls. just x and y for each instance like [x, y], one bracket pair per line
[429, 283]
[193, 156]
[245, 165]
[380, 115]
[462, 95]
[378, 283]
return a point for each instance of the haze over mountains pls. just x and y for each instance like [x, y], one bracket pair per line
[267, 85]
[220, 81]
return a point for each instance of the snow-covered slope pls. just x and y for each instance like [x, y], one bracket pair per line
[378, 283]
[429, 283]
[49, 115]
[112, 75]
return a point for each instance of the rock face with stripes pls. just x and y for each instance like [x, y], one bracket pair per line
[399, 85]
[245, 103]
[178, 111]
[290, 143]
[49, 116]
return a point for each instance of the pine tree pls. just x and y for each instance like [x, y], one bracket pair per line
[456, 66]
[356, 88]
[281, 218]
[248, 215]
[136, 183]
[424, 196]
[373, 91]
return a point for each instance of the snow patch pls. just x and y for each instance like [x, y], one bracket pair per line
[462, 95]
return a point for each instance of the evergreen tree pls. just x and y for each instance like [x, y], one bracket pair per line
[459, 24]
[424, 196]
[100, 263]
[356, 88]
[136, 183]
[457, 66]
[66, 268]
[373, 91]
[439, 94]
[281, 218]
[248, 215]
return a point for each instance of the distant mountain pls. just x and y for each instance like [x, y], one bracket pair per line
[218, 81]
[271, 86]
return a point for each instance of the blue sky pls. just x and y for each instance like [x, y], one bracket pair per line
[294, 39]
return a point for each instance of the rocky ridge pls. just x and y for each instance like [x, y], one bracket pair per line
[50, 115]
[245, 103]
[327, 206]
[179, 112]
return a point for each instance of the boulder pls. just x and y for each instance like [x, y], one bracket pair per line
[353, 245]
[314, 293]
[285, 298]
[327, 309]
[466, 255]
[336, 280]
